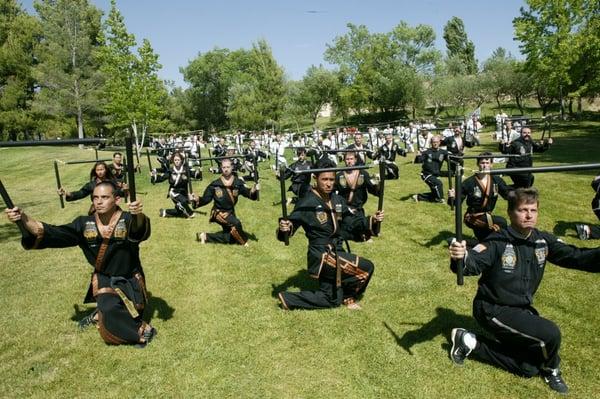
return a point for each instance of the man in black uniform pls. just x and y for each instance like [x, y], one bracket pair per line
[481, 192]
[354, 186]
[110, 241]
[322, 214]
[455, 146]
[433, 159]
[586, 231]
[300, 181]
[224, 193]
[251, 156]
[511, 263]
[387, 154]
[362, 152]
[178, 176]
[524, 146]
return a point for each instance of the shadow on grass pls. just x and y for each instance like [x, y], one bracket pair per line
[442, 324]
[300, 280]
[9, 231]
[158, 307]
[441, 237]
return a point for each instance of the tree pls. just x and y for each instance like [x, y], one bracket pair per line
[459, 46]
[134, 93]
[19, 34]
[68, 75]
[318, 87]
[546, 30]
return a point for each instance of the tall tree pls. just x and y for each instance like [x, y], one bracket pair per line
[68, 73]
[19, 34]
[133, 91]
[458, 44]
[318, 87]
[546, 31]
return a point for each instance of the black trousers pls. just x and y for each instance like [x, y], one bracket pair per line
[233, 232]
[182, 207]
[356, 274]
[522, 181]
[391, 171]
[435, 185]
[525, 342]
[482, 232]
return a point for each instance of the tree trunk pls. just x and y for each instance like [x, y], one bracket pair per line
[519, 104]
[571, 113]
[498, 100]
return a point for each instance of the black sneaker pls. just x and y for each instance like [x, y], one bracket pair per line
[148, 336]
[582, 232]
[88, 321]
[554, 380]
[460, 350]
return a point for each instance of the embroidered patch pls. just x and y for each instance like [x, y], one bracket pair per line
[235, 192]
[541, 251]
[218, 192]
[477, 192]
[479, 248]
[338, 208]
[343, 182]
[90, 231]
[321, 217]
[361, 180]
[509, 259]
[522, 151]
[120, 230]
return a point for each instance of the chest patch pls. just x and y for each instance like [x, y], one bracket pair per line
[541, 251]
[321, 217]
[218, 192]
[509, 259]
[120, 230]
[90, 232]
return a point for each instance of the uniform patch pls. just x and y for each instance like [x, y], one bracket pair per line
[477, 192]
[541, 251]
[321, 217]
[235, 192]
[90, 232]
[121, 230]
[218, 192]
[361, 180]
[479, 248]
[338, 208]
[522, 151]
[509, 259]
[343, 182]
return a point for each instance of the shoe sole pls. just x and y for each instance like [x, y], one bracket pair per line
[453, 338]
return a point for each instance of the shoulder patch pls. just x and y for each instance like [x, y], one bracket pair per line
[479, 248]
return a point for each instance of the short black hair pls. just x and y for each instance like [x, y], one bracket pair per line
[117, 153]
[522, 195]
[109, 183]
[324, 163]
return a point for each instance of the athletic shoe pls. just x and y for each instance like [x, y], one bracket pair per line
[460, 350]
[582, 231]
[201, 238]
[415, 197]
[554, 380]
[162, 213]
[88, 321]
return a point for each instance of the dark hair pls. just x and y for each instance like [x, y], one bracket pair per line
[324, 163]
[353, 153]
[485, 155]
[109, 174]
[522, 195]
[109, 183]
[117, 153]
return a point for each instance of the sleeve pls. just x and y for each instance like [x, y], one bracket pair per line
[540, 147]
[296, 217]
[245, 191]
[572, 257]
[207, 196]
[371, 188]
[503, 188]
[83, 192]
[68, 235]
[139, 232]
[477, 259]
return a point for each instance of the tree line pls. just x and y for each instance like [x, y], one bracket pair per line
[66, 71]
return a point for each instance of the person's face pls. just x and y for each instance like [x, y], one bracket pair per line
[485, 164]
[509, 125]
[177, 161]
[117, 159]
[226, 168]
[457, 132]
[524, 217]
[100, 171]
[325, 182]
[388, 138]
[435, 143]
[302, 156]
[103, 199]
[350, 159]
[358, 139]
[526, 133]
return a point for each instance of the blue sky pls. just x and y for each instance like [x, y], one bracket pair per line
[298, 31]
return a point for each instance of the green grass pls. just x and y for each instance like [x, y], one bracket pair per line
[221, 333]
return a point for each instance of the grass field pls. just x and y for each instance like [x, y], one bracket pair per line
[220, 331]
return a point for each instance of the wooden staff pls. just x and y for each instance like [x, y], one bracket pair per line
[10, 205]
[458, 220]
[35, 143]
[130, 168]
[58, 184]
[284, 213]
